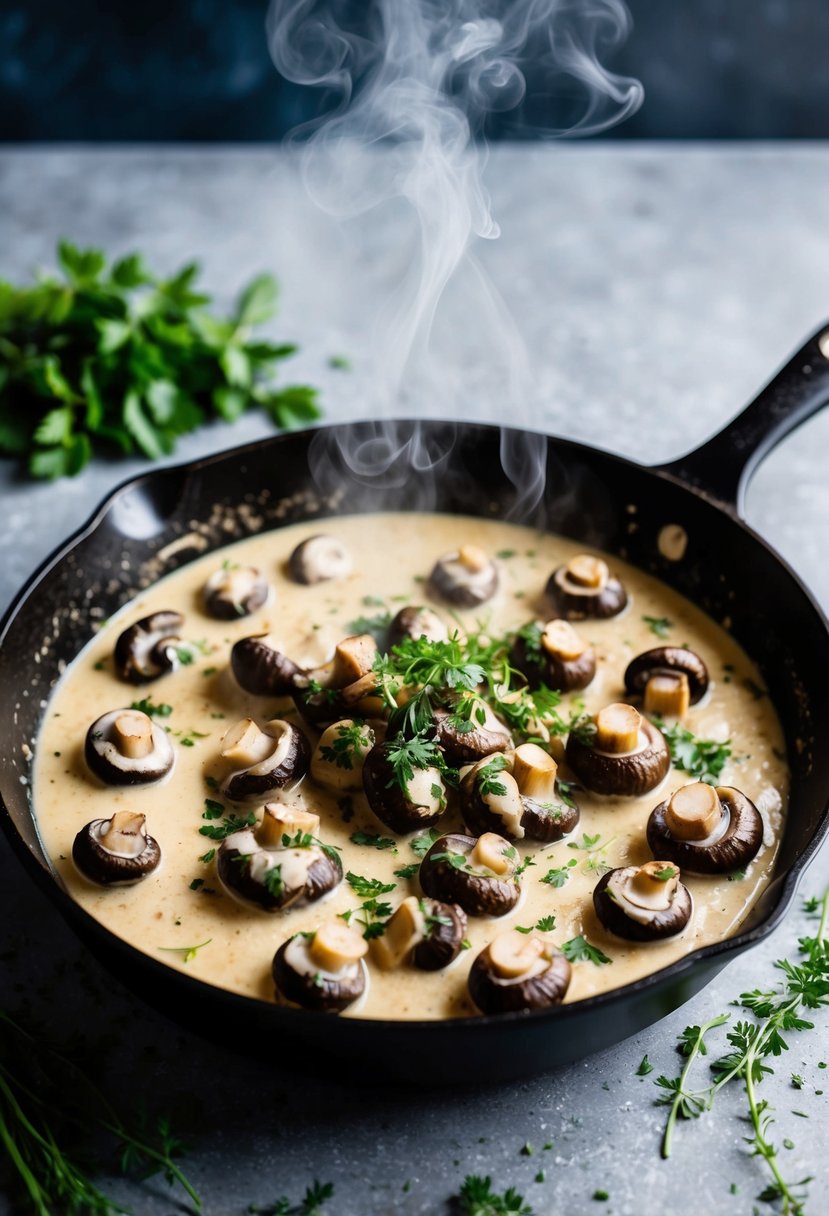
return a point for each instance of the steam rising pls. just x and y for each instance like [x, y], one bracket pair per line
[409, 89]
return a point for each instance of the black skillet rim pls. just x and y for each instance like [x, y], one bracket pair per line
[716, 953]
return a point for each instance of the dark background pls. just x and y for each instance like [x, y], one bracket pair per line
[200, 70]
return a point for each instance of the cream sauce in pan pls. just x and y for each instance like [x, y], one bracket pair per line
[182, 905]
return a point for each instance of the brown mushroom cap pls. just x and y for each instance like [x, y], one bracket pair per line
[116, 851]
[733, 842]
[302, 980]
[584, 588]
[467, 747]
[476, 888]
[627, 901]
[519, 801]
[517, 972]
[261, 668]
[667, 660]
[234, 592]
[554, 655]
[444, 936]
[125, 747]
[627, 773]
[276, 878]
[466, 577]
[415, 621]
[268, 759]
[147, 649]
[407, 808]
[318, 560]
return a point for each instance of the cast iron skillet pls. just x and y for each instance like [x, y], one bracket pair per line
[151, 524]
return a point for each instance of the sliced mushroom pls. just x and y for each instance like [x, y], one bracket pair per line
[553, 654]
[466, 746]
[519, 799]
[403, 803]
[625, 755]
[643, 903]
[466, 577]
[116, 851]
[340, 755]
[148, 648]
[426, 932]
[584, 588]
[516, 971]
[318, 560]
[125, 747]
[256, 866]
[343, 686]
[417, 622]
[264, 760]
[324, 970]
[668, 678]
[706, 830]
[234, 591]
[478, 875]
[261, 668]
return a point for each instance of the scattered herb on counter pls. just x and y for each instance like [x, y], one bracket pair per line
[659, 625]
[477, 1198]
[117, 360]
[312, 1203]
[704, 759]
[47, 1106]
[773, 1012]
[188, 953]
[147, 706]
[645, 1067]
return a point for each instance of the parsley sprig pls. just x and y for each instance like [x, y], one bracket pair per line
[115, 359]
[774, 1013]
[477, 1198]
[704, 759]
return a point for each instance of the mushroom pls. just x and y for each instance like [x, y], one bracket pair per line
[425, 931]
[516, 971]
[404, 790]
[340, 755]
[553, 654]
[319, 559]
[116, 851]
[324, 970]
[461, 746]
[264, 760]
[479, 875]
[416, 622]
[148, 648]
[125, 747]
[623, 754]
[519, 803]
[643, 903]
[669, 679]
[257, 866]
[584, 588]
[261, 668]
[346, 684]
[234, 591]
[706, 830]
[466, 577]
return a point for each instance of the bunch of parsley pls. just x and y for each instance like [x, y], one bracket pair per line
[117, 360]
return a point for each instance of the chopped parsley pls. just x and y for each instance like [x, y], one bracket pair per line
[477, 1198]
[645, 1067]
[407, 871]
[407, 755]
[422, 843]
[368, 887]
[212, 809]
[485, 777]
[352, 739]
[229, 825]
[579, 950]
[187, 952]
[558, 877]
[373, 840]
[658, 625]
[704, 759]
[147, 706]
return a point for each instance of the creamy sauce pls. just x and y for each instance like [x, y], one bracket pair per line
[182, 903]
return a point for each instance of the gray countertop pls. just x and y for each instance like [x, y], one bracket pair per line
[655, 289]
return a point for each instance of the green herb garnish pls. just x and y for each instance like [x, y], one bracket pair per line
[373, 840]
[580, 950]
[367, 887]
[229, 825]
[188, 953]
[658, 625]
[704, 759]
[351, 740]
[147, 706]
[477, 1198]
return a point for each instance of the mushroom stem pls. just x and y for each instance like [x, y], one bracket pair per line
[473, 558]
[653, 885]
[489, 853]
[278, 821]
[588, 571]
[617, 729]
[124, 834]
[403, 931]
[667, 695]
[334, 946]
[561, 641]
[512, 953]
[535, 771]
[132, 734]
[693, 812]
[246, 744]
[353, 658]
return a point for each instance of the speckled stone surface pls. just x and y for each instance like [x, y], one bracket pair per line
[655, 289]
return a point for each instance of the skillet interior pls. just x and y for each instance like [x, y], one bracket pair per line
[147, 528]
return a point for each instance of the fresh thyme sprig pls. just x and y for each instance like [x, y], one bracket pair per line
[775, 1011]
[46, 1102]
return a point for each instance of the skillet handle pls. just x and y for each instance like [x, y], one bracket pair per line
[722, 467]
